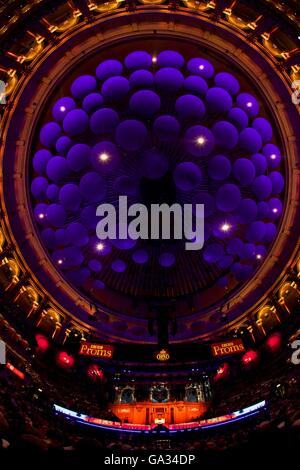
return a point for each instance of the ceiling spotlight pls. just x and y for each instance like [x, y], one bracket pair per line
[258, 256]
[249, 104]
[103, 157]
[154, 59]
[273, 156]
[200, 140]
[62, 109]
[60, 261]
[100, 246]
[41, 216]
[275, 210]
[201, 67]
[225, 227]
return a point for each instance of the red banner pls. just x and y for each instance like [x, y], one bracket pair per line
[103, 351]
[225, 349]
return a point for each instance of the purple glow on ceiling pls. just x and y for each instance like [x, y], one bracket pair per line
[144, 120]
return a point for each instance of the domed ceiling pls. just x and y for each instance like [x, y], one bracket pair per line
[158, 127]
[186, 111]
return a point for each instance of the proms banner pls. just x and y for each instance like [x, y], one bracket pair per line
[230, 347]
[104, 351]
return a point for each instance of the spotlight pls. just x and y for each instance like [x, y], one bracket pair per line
[60, 261]
[273, 156]
[225, 227]
[200, 140]
[99, 246]
[275, 210]
[103, 157]
[42, 343]
[41, 216]
[62, 109]
[65, 360]
[222, 371]
[249, 104]
[273, 343]
[249, 357]
[258, 256]
[154, 59]
[201, 67]
[95, 373]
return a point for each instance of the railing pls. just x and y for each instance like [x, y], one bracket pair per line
[239, 415]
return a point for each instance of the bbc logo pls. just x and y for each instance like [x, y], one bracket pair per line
[2, 352]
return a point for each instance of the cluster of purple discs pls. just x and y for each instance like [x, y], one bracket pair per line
[145, 118]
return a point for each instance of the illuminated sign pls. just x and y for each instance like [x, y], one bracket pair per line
[103, 351]
[162, 355]
[101, 422]
[230, 347]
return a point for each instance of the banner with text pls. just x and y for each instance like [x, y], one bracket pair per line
[229, 347]
[103, 351]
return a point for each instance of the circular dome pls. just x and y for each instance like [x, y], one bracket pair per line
[228, 197]
[153, 165]
[219, 167]
[225, 134]
[104, 121]
[228, 82]
[83, 85]
[145, 103]
[189, 108]
[173, 131]
[169, 80]
[75, 122]
[131, 135]
[218, 100]
[170, 59]
[166, 128]
[115, 89]
[199, 141]
[78, 157]
[138, 60]
[187, 176]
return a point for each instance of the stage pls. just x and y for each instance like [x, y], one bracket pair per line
[159, 413]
